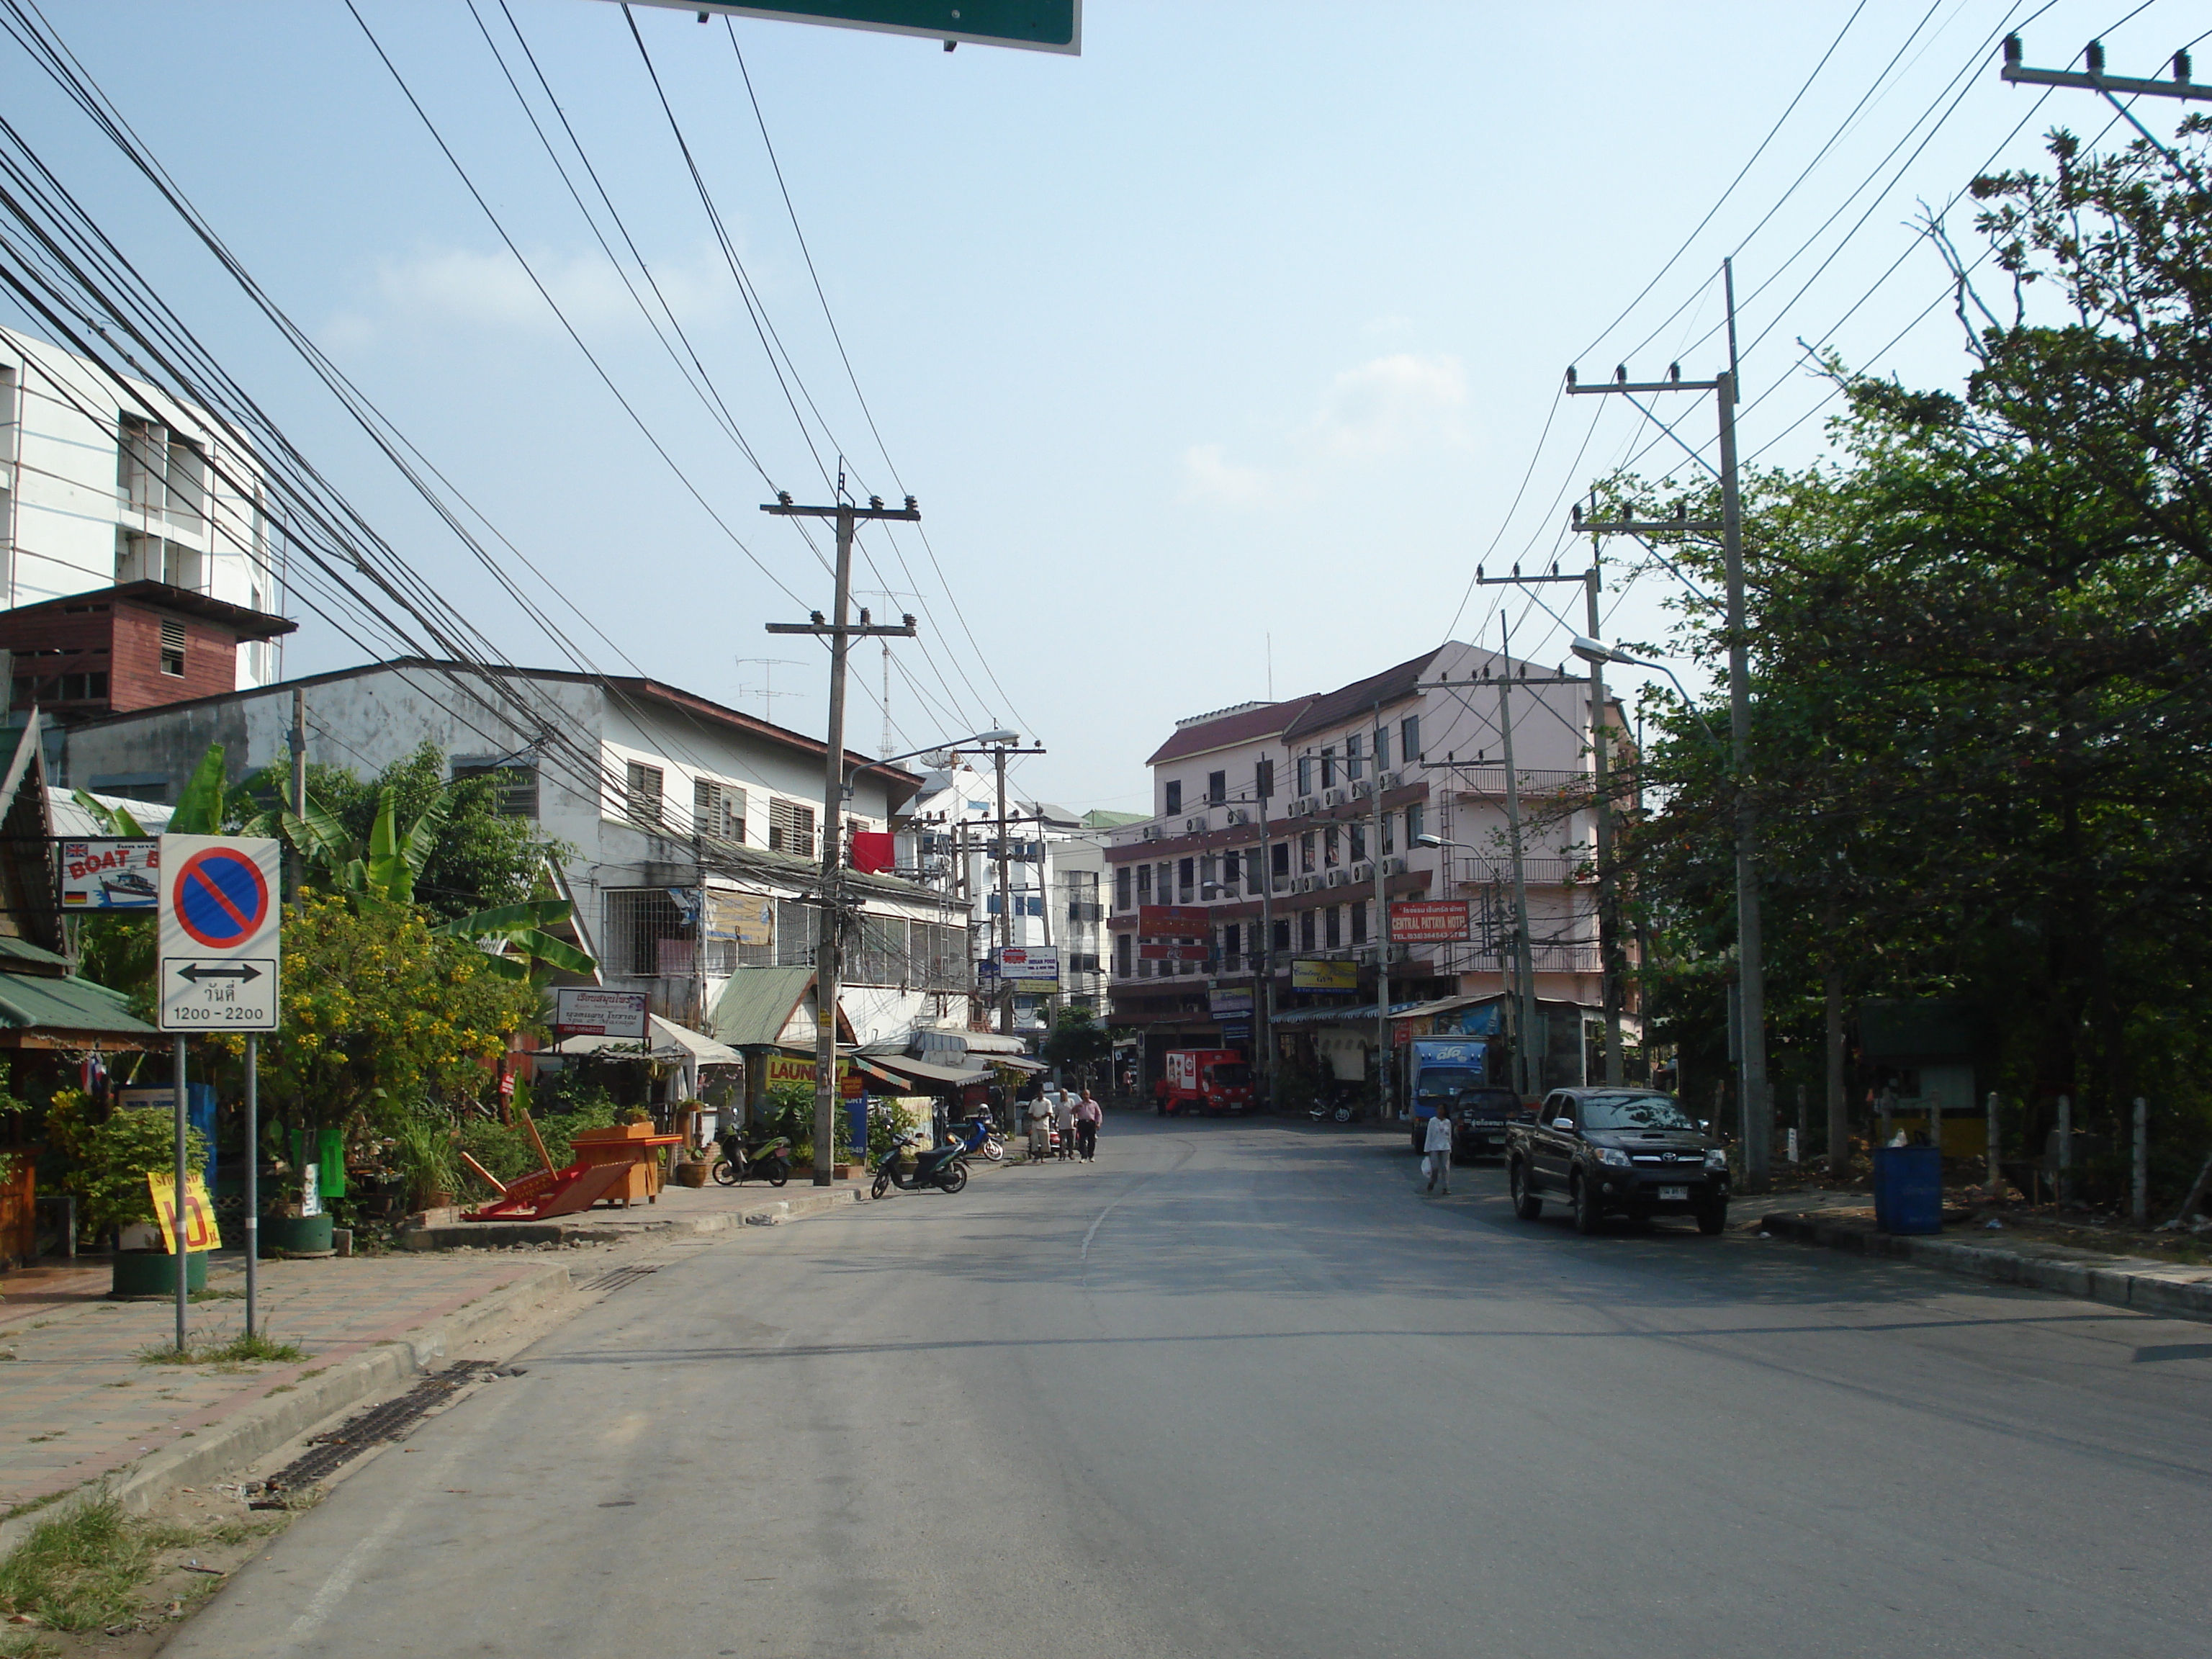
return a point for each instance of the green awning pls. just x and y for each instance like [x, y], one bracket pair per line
[757, 1005]
[66, 1007]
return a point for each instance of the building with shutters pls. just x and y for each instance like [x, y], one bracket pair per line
[1277, 827]
[694, 828]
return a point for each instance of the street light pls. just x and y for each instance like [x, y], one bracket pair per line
[1597, 651]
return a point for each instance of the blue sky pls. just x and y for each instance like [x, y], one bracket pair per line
[1230, 341]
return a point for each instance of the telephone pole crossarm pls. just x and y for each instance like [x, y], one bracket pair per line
[2095, 80]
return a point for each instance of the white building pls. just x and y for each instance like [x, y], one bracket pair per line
[103, 485]
[694, 827]
[1055, 866]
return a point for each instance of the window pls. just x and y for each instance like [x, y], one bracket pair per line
[1382, 749]
[1409, 739]
[1232, 948]
[1352, 762]
[1279, 856]
[1186, 869]
[1124, 949]
[1209, 877]
[1263, 779]
[1165, 883]
[1359, 922]
[1305, 774]
[718, 810]
[1305, 930]
[1328, 768]
[790, 828]
[1232, 871]
[172, 647]
[1306, 851]
[514, 784]
[1283, 935]
[1387, 846]
[1121, 888]
[1332, 927]
[647, 934]
[1330, 844]
[644, 792]
[1412, 826]
[1144, 884]
[1359, 843]
[1174, 796]
[1217, 788]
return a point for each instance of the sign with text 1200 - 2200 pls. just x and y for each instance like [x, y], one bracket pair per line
[218, 934]
[110, 873]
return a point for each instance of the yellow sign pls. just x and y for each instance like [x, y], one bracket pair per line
[1318, 975]
[200, 1232]
[789, 1069]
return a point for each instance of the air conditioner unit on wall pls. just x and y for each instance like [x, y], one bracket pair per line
[1194, 826]
[1238, 815]
[1389, 781]
[1301, 806]
[1332, 798]
[1308, 884]
[1394, 867]
[1362, 790]
[1335, 878]
[1363, 872]
[1151, 832]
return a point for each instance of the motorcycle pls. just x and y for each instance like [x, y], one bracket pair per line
[766, 1160]
[945, 1167]
[1339, 1104]
[981, 1134]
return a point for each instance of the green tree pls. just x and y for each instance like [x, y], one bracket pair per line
[1077, 1041]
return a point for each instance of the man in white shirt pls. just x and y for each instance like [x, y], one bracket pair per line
[1438, 1146]
[1063, 1119]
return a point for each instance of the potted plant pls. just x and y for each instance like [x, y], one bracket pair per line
[111, 1184]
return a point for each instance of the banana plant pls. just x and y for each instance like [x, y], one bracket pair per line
[527, 950]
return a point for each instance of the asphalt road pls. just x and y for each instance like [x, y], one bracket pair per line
[1240, 1389]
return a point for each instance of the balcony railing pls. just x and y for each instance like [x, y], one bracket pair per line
[1537, 873]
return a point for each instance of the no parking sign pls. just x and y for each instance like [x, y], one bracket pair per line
[219, 934]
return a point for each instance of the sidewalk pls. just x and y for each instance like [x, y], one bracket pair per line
[706, 1209]
[1844, 1221]
[76, 1402]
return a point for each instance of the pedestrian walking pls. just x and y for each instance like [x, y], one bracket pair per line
[1040, 1127]
[1438, 1146]
[1063, 1117]
[1088, 1117]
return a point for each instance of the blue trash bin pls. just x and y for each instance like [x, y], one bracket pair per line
[1908, 1189]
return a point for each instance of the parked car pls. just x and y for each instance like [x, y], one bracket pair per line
[1614, 1151]
[1480, 1117]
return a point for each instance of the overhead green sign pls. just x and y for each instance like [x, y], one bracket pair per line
[1033, 25]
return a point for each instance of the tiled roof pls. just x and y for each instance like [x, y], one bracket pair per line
[1348, 702]
[1230, 729]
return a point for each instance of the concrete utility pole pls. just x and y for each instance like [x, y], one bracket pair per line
[1608, 944]
[1531, 1065]
[1385, 1048]
[1755, 1105]
[998, 752]
[826, 949]
[1263, 959]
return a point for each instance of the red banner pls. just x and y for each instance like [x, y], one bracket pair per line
[1172, 922]
[1428, 922]
[873, 852]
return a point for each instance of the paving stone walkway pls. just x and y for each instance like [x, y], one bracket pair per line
[77, 1402]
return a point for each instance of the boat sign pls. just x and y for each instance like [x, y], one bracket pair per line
[110, 873]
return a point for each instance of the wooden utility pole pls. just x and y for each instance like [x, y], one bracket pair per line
[831, 900]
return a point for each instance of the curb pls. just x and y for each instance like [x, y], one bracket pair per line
[493, 1235]
[2119, 1281]
[269, 1422]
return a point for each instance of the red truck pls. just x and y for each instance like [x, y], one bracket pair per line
[1205, 1080]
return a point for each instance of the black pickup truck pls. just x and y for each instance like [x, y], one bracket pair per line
[1617, 1150]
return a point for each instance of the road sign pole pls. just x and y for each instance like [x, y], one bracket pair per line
[178, 1230]
[252, 1177]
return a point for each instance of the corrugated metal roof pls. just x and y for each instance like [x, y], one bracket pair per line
[33, 1003]
[756, 1004]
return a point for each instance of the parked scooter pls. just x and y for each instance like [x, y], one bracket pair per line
[1338, 1104]
[945, 1167]
[980, 1134]
[767, 1160]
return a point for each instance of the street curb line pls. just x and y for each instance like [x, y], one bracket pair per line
[491, 1234]
[2132, 1282]
[268, 1422]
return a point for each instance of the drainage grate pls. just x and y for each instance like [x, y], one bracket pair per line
[615, 1278]
[379, 1424]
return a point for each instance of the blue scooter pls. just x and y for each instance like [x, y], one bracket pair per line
[980, 1134]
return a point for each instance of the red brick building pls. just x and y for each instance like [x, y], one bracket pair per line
[121, 649]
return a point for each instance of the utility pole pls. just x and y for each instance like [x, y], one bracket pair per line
[2096, 80]
[1005, 930]
[1609, 987]
[830, 936]
[1756, 1108]
[1385, 1049]
[1529, 1066]
[1263, 959]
